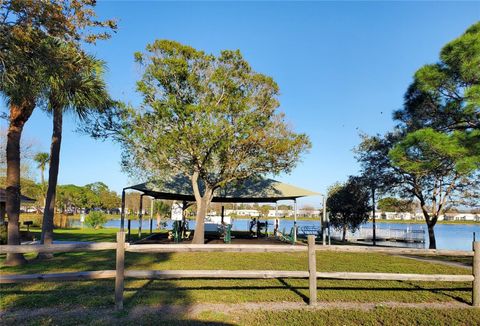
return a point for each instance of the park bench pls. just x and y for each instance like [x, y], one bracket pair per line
[309, 230]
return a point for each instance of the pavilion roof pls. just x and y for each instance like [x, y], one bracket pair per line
[249, 191]
[23, 199]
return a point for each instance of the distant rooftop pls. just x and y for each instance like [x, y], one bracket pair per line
[24, 199]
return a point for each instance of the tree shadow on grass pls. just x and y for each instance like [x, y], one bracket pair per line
[55, 301]
[152, 288]
[294, 290]
[441, 291]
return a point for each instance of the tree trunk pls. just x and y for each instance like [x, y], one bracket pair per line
[202, 207]
[49, 211]
[19, 114]
[431, 237]
[374, 231]
[199, 234]
[42, 174]
[344, 233]
[431, 221]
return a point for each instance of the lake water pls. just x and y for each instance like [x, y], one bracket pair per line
[449, 236]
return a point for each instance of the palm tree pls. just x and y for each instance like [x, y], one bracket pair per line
[42, 161]
[24, 65]
[30, 32]
[81, 90]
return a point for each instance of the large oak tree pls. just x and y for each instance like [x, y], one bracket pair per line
[209, 118]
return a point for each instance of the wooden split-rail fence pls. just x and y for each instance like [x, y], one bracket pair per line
[120, 273]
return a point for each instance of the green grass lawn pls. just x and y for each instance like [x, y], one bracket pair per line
[378, 316]
[85, 234]
[301, 317]
[464, 260]
[98, 294]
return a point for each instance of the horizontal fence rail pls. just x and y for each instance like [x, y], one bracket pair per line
[206, 274]
[119, 274]
[396, 251]
[68, 276]
[231, 274]
[169, 248]
[158, 248]
[67, 247]
[395, 277]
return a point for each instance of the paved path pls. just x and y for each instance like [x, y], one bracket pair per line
[437, 261]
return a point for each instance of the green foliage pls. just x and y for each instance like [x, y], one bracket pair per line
[23, 75]
[78, 85]
[36, 42]
[42, 160]
[434, 153]
[3, 234]
[264, 209]
[210, 120]
[445, 96]
[348, 204]
[428, 152]
[209, 114]
[32, 33]
[96, 219]
[68, 20]
[95, 195]
[102, 197]
[37, 219]
[30, 188]
[392, 204]
[162, 208]
[73, 196]
[376, 170]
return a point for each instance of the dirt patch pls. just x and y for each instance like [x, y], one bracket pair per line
[237, 238]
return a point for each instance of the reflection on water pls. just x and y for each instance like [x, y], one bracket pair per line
[449, 236]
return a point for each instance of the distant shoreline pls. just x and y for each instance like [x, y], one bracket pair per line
[38, 217]
[421, 222]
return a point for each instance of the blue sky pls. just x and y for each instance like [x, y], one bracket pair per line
[342, 68]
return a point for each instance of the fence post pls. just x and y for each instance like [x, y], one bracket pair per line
[128, 227]
[312, 270]
[476, 274]
[120, 268]
[328, 227]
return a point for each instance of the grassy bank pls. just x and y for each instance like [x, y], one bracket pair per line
[301, 317]
[93, 295]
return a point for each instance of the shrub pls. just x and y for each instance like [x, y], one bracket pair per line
[96, 219]
[3, 234]
[37, 219]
